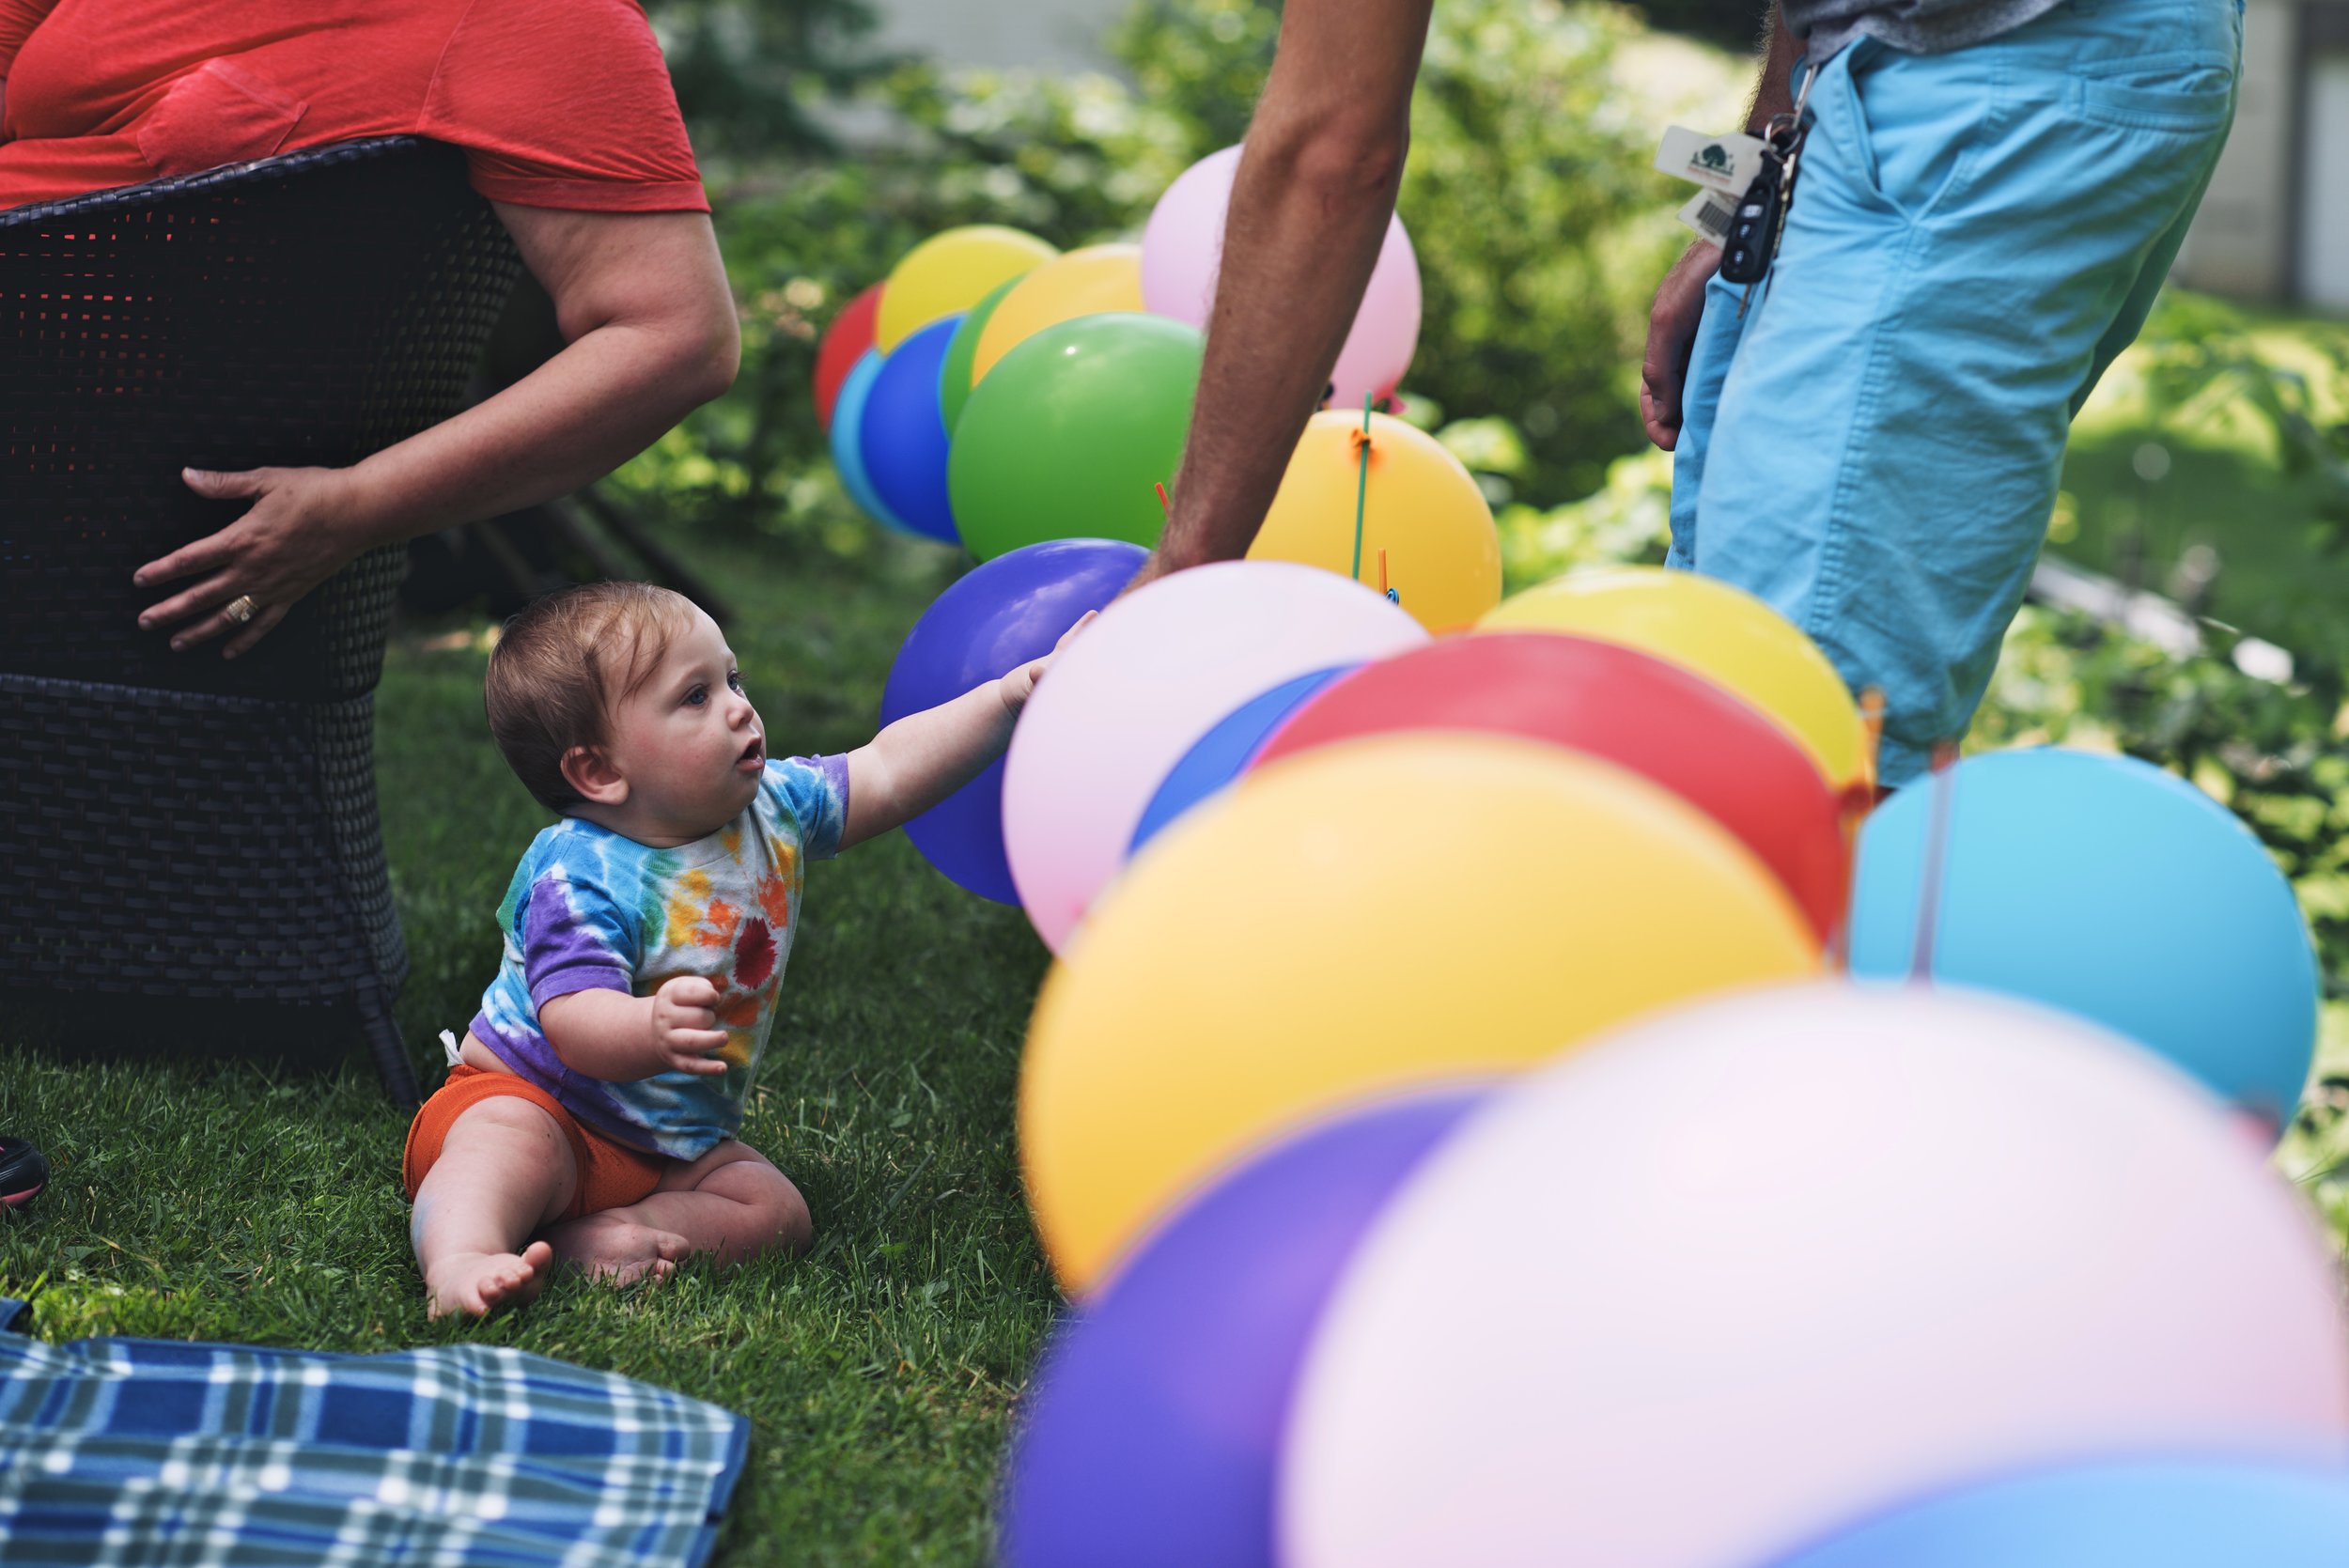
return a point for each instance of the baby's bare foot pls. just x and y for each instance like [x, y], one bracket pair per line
[613, 1248]
[474, 1283]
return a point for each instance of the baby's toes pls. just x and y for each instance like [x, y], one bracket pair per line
[670, 1247]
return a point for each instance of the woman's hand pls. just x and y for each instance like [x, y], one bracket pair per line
[302, 529]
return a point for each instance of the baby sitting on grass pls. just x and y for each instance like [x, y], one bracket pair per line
[590, 1113]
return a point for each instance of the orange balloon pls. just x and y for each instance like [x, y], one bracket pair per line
[1085, 282]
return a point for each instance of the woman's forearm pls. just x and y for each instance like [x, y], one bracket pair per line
[604, 398]
[648, 322]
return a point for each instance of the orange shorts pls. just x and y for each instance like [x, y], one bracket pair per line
[611, 1175]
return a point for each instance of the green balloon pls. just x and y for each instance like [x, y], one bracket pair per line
[954, 377]
[1071, 432]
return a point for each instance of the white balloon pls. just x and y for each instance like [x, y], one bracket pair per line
[1131, 692]
[1747, 1273]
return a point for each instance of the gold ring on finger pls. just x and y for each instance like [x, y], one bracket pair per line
[239, 608]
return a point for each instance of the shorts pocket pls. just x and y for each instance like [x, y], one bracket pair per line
[2185, 93]
[218, 114]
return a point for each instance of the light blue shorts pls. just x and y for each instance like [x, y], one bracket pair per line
[1874, 447]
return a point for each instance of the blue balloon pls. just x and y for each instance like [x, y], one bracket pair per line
[847, 441]
[1153, 1432]
[1219, 757]
[903, 436]
[2109, 889]
[2146, 1514]
[1011, 609]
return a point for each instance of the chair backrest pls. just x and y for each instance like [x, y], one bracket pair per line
[305, 310]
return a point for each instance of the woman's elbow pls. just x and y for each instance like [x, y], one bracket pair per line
[709, 360]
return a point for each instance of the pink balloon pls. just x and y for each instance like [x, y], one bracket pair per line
[1132, 692]
[1183, 247]
[1756, 1269]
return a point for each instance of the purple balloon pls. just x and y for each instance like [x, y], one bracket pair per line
[1007, 610]
[1155, 1424]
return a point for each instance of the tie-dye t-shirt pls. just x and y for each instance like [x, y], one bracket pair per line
[588, 908]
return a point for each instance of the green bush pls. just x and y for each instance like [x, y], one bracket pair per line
[1539, 227]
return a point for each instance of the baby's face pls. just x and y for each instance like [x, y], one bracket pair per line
[689, 742]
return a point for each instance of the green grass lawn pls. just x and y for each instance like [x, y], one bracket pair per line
[221, 1201]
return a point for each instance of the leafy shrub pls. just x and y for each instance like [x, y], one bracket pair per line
[1539, 227]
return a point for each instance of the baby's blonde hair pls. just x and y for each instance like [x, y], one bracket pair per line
[561, 667]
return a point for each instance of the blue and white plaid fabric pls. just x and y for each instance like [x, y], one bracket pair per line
[143, 1452]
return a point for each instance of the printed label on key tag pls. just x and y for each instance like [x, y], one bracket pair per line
[1710, 213]
[1724, 162]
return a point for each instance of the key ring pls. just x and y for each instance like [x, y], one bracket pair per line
[1789, 124]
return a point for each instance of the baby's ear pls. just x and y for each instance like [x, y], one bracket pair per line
[589, 770]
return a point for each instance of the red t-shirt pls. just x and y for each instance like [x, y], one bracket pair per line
[563, 104]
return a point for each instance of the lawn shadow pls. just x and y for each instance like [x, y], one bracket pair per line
[309, 1042]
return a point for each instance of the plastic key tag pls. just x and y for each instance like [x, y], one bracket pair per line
[1725, 164]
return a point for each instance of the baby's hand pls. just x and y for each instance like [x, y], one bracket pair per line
[685, 1027]
[1020, 684]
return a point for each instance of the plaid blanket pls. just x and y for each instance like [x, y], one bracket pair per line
[140, 1452]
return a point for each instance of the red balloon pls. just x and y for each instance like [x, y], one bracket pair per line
[1713, 750]
[844, 343]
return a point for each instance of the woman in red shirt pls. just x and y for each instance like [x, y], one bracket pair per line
[570, 128]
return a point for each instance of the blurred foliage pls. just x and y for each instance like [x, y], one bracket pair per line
[1731, 24]
[1539, 227]
[1540, 232]
[2203, 365]
[2276, 755]
[746, 70]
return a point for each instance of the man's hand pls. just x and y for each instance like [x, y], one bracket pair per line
[302, 529]
[1672, 333]
[1020, 685]
[685, 1027]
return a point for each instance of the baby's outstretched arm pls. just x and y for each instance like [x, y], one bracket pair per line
[620, 1038]
[924, 757]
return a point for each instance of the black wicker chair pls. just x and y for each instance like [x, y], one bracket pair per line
[183, 826]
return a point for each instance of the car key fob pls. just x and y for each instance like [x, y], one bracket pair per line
[1752, 235]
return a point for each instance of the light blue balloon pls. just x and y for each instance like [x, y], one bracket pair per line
[2153, 1513]
[847, 441]
[2107, 888]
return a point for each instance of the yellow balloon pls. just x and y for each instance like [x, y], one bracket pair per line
[1084, 281]
[1385, 912]
[1713, 630]
[1420, 508]
[952, 272]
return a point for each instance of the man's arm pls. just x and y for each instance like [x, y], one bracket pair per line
[1309, 208]
[1671, 326]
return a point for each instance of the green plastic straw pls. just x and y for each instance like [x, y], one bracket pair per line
[1361, 490]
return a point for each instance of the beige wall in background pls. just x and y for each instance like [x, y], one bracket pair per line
[2240, 241]
[1048, 35]
[2325, 222]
